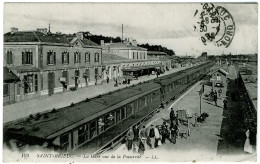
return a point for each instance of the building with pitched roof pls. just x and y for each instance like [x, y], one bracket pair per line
[127, 60]
[48, 63]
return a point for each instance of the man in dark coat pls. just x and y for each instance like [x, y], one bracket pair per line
[225, 103]
[165, 132]
[172, 115]
[130, 138]
[215, 98]
[174, 131]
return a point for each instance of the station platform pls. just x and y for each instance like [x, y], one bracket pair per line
[202, 144]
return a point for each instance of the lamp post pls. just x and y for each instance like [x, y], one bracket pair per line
[200, 94]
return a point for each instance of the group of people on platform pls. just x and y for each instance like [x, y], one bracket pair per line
[214, 95]
[139, 139]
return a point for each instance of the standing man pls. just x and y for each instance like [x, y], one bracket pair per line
[174, 131]
[107, 79]
[130, 138]
[172, 115]
[165, 132]
[152, 136]
[143, 136]
[215, 93]
[225, 103]
[136, 137]
[212, 95]
[215, 98]
[219, 92]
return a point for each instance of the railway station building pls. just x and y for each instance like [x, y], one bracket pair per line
[118, 67]
[48, 63]
[129, 61]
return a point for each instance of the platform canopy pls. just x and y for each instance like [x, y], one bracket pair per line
[133, 69]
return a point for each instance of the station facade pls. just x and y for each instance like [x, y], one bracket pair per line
[48, 63]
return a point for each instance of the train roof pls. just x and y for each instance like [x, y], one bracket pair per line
[165, 80]
[53, 123]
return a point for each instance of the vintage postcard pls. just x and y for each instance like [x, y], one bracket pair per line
[130, 82]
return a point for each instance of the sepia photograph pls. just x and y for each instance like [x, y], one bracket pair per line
[130, 81]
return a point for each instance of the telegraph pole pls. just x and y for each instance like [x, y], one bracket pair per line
[122, 32]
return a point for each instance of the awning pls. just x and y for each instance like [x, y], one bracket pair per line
[26, 68]
[132, 69]
[9, 76]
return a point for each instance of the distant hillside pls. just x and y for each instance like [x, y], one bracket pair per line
[157, 48]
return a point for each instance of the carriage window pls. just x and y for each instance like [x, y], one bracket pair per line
[129, 109]
[93, 129]
[101, 125]
[109, 119]
[64, 141]
[118, 116]
[122, 113]
[81, 135]
[142, 102]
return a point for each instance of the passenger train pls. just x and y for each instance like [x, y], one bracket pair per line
[97, 124]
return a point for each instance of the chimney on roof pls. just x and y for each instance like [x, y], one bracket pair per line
[134, 42]
[49, 28]
[14, 30]
[79, 35]
[102, 43]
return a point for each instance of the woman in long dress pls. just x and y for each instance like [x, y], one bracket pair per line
[247, 147]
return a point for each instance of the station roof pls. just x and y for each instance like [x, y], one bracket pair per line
[9, 76]
[40, 37]
[52, 124]
[124, 46]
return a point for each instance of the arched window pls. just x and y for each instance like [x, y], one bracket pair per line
[65, 57]
[87, 57]
[97, 57]
[27, 57]
[77, 57]
[51, 57]
[9, 57]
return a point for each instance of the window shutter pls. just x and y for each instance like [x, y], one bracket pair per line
[68, 59]
[79, 58]
[54, 56]
[7, 57]
[31, 54]
[11, 58]
[23, 57]
[48, 57]
[74, 57]
[62, 58]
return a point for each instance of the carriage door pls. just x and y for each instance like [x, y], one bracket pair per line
[51, 82]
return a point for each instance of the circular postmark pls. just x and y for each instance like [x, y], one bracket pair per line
[216, 25]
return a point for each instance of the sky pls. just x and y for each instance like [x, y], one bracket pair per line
[167, 24]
